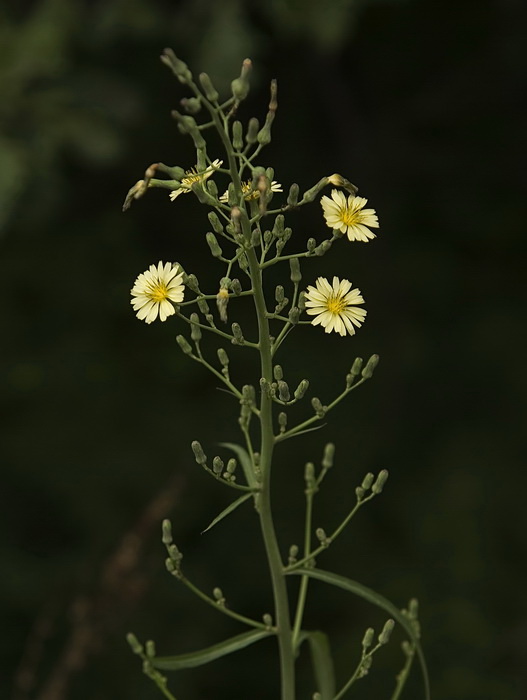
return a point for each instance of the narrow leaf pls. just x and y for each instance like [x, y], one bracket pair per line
[322, 663]
[380, 601]
[245, 461]
[198, 658]
[228, 510]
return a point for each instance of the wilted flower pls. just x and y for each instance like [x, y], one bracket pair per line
[347, 214]
[192, 176]
[154, 289]
[335, 306]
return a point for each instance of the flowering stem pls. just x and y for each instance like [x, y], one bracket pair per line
[302, 594]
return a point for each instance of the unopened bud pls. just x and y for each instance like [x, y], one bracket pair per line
[199, 455]
[150, 649]
[217, 593]
[283, 391]
[240, 86]
[267, 620]
[237, 135]
[311, 245]
[278, 372]
[231, 465]
[294, 315]
[329, 454]
[368, 481]
[236, 287]
[356, 367]
[282, 421]
[255, 238]
[367, 640]
[387, 630]
[292, 197]
[223, 357]
[372, 363]
[192, 283]
[319, 409]
[302, 301]
[309, 474]
[217, 465]
[178, 67]
[301, 389]
[278, 228]
[134, 643]
[167, 532]
[296, 275]
[293, 553]
[360, 493]
[321, 536]
[238, 335]
[279, 294]
[252, 130]
[192, 105]
[195, 330]
[215, 222]
[323, 248]
[184, 345]
[214, 246]
[310, 194]
[208, 88]
[380, 481]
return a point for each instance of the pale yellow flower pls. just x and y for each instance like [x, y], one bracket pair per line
[255, 194]
[192, 176]
[335, 306]
[155, 289]
[347, 214]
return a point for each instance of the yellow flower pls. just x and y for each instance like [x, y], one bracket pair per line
[192, 176]
[254, 194]
[347, 214]
[335, 306]
[154, 289]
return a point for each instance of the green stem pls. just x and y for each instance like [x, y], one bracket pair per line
[403, 675]
[302, 594]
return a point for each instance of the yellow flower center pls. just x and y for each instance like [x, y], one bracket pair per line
[335, 304]
[158, 292]
[191, 177]
[349, 216]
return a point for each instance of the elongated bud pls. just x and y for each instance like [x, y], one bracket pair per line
[202, 195]
[356, 367]
[323, 248]
[282, 421]
[387, 630]
[240, 86]
[367, 640]
[212, 188]
[150, 649]
[178, 67]
[311, 245]
[195, 330]
[252, 130]
[278, 372]
[236, 287]
[319, 409]
[223, 357]
[237, 135]
[184, 345]
[215, 222]
[203, 306]
[368, 481]
[293, 553]
[278, 228]
[217, 465]
[360, 493]
[255, 238]
[214, 246]
[380, 481]
[264, 135]
[199, 455]
[302, 301]
[294, 315]
[135, 646]
[372, 363]
[231, 465]
[192, 105]
[339, 181]
[192, 283]
[248, 393]
[217, 593]
[238, 335]
[166, 529]
[279, 293]
[292, 197]
[309, 474]
[283, 391]
[208, 88]
[329, 454]
[310, 194]
[301, 389]
[321, 536]
[296, 275]
[265, 387]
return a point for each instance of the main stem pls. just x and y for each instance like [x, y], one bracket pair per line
[281, 601]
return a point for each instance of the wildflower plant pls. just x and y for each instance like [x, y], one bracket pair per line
[249, 236]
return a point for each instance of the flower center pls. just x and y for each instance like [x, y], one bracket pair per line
[335, 304]
[191, 176]
[350, 217]
[158, 292]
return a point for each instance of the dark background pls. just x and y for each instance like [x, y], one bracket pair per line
[419, 103]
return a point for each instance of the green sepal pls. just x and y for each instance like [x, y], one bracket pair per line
[227, 511]
[245, 461]
[204, 656]
[380, 601]
[322, 662]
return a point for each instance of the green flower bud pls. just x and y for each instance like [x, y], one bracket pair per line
[215, 222]
[367, 640]
[265, 387]
[319, 409]
[150, 649]
[166, 528]
[380, 481]
[231, 465]
[277, 372]
[372, 363]
[217, 465]
[310, 194]
[237, 135]
[255, 238]
[203, 306]
[293, 553]
[248, 393]
[292, 197]
[192, 283]
[252, 130]
[323, 248]
[236, 287]
[243, 262]
[134, 643]
[240, 86]
[195, 330]
[223, 357]
[267, 620]
[302, 301]
[208, 88]
[309, 474]
[183, 344]
[368, 481]
[214, 246]
[356, 367]
[238, 335]
[413, 609]
[294, 315]
[192, 105]
[278, 228]
[212, 188]
[264, 135]
[296, 275]
[217, 593]
[282, 421]
[301, 389]
[311, 245]
[199, 455]
[360, 493]
[202, 195]
[279, 293]
[387, 630]
[185, 123]
[321, 535]
[283, 391]
[178, 67]
[268, 236]
[329, 454]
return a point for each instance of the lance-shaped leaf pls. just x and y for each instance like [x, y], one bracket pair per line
[232, 506]
[198, 658]
[380, 601]
[245, 461]
[322, 662]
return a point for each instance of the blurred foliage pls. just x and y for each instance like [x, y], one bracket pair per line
[420, 105]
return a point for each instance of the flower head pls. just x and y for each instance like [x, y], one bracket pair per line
[154, 289]
[192, 176]
[347, 214]
[249, 193]
[335, 306]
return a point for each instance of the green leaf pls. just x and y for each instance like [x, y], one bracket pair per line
[228, 510]
[245, 461]
[322, 663]
[380, 601]
[198, 658]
